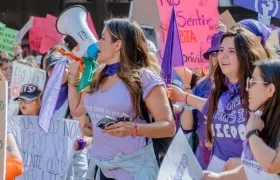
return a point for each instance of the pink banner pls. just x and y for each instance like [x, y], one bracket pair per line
[36, 33]
[91, 26]
[196, 21]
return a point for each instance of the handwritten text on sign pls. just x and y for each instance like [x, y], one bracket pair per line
[7, 36]
[3, 126]
[23, 74]
[197, 22]
[46, 156]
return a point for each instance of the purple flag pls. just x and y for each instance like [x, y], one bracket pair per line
[173, 56]
[51, 94]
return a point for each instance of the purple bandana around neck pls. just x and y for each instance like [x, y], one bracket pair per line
[51, 93]
[112, 69]
[63, 95]
[227, 96]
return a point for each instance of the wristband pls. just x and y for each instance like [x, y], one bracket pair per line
[136, 131]
[186, 98]
[250, 133]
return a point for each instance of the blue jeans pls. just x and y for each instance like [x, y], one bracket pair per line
[79, 165]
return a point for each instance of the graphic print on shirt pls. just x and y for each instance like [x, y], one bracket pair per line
[230, 123]
[97, 113]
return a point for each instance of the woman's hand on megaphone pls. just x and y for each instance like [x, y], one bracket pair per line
[73, 68]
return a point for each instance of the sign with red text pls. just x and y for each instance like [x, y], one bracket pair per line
[21, 75]
[36, 33]
[3, 126]
[197, 21]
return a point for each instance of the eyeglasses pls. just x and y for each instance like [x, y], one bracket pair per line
[25, 101]
[214, 54]
[250, 82]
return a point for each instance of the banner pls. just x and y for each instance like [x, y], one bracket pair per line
[7, 36]
[23, 31]
[179, 162]
[265, 8]
[46, 156]
[3, 126]
[23, 74]
[197, 21]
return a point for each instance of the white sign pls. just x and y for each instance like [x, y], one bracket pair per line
[23, 74]
[179, 162]
[3, 126]
[46, 156]
[23, 31]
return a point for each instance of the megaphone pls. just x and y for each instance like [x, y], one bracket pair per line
[73, 22]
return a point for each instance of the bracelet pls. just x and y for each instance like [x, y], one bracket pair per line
[186, 98]
[73, 84]
[250, 133]
[136, 131]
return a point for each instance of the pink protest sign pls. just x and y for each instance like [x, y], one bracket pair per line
[36, 33]
[91, 26]
[51, 36]
[197, 20]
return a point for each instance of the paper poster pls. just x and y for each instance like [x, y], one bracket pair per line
[2, 25]
[227, 19]
[23, 31]
[3, 126]
[7, 36]
[197, 21]
[36, 33]
[179, 162]
[46, 156]
[23, 74]
[265, 8]
[145, 12]
[274, 38]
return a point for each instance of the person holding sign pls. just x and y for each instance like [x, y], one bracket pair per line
[120, 150]
[29, 100]
[260, 157]
[226, 107]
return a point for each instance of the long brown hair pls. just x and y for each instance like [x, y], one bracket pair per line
[270, 72]
[133, 58]
[248, 50]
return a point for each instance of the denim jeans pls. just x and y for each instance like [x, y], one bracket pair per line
[79, 165]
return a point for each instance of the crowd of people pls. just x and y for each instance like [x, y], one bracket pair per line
[235, 104]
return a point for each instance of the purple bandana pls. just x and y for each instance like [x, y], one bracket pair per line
[112, 69]
[228, 95]
[63, 95]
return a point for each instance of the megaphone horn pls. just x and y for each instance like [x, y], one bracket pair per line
[73, 22]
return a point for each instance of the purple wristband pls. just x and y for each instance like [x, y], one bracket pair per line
[82, 143]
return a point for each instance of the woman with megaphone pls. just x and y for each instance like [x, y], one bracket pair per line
[127, 75]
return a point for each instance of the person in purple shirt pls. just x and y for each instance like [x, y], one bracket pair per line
[195, 120]
[226, 107]
[127, 75]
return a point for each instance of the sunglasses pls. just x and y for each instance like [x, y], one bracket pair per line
[25, 101]
[250, 82]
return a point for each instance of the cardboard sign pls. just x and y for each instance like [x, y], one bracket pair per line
[23, 74]
[274, 38]
[46, 156]
[23, 31]
[146, 12]
[179, 161]
[227, 19]
[197, 21]
[3, 126]
[7, 36]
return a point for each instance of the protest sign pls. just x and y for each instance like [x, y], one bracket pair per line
[197, 21]
[36, 33]
[145, 12]
[3, 126]
[46, 156]
[227, 19]
[2, 25]
[274, 38]
[266, 9]
[7, 36]
[23, 74]
[179, 161]
[23, 31]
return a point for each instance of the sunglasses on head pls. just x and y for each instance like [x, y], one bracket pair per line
[250, 82]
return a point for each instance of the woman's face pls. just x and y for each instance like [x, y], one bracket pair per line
[227, 59]
[29, 107]
[258, 90]
[109, 51]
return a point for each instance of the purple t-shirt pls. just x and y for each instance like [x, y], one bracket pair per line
[228, 129]
[114, 102]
